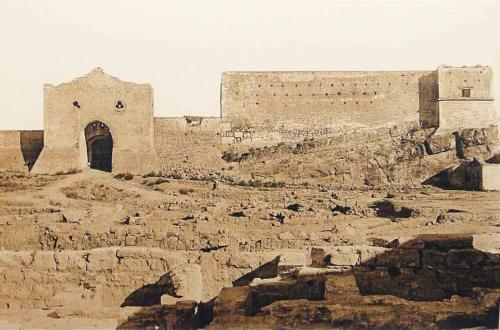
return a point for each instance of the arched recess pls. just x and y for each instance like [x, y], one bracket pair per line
[99, 146]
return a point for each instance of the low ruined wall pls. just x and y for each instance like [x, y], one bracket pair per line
[106, 277]
[187, 142]
[11, 156]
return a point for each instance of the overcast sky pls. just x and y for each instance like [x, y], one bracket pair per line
[181, 47]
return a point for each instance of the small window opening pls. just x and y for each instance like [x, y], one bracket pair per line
[76, 104]
[120, 104]
[466, 92]
[339, 93]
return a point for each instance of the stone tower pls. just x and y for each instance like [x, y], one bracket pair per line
[465, 97]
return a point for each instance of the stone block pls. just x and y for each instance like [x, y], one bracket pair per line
[102, 259]
[74, 215]
[290, 260]
[184, 282]
[341, 286]
[343, 258]
[318, 255]
[433, 258]
[244, 260]
[135, 252]
[44, 261]
[447, 242]
[368, 254]
[399, 258]
[70, 260]
[465, 259]
[231, 301]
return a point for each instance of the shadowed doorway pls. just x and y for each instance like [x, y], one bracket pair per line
[99, 146]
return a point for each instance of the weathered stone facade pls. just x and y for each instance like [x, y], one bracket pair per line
[126, 109]
[277, 106]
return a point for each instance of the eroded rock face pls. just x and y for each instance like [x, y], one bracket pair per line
[374, 158]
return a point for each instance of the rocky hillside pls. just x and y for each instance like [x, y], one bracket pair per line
[398, 156]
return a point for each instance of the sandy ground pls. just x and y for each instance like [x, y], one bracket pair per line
[78, 208]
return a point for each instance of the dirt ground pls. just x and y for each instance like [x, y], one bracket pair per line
[92, 209]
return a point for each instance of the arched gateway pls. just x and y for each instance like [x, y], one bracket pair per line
[99, 146]
[80, 116]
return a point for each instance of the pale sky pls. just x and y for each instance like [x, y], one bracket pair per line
[182, 46]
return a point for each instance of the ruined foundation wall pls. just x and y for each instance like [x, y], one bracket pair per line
[106, 277]
[187, 141]
[320, 99]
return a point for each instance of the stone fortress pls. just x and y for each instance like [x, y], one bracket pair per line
[101, 122]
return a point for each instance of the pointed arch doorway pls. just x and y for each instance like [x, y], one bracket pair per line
[99, 146]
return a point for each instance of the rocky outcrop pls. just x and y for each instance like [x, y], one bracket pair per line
[367, 157]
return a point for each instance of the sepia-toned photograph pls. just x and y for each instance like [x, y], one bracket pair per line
[249, 164]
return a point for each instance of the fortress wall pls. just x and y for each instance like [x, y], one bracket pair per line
[11, 157]
[320, 99]
[187, 141]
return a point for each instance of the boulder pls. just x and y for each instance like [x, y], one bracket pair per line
[182, 283]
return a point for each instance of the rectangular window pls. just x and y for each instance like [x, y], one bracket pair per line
[466, 92]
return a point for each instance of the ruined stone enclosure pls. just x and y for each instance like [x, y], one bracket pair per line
[98, 121]
[377, 209]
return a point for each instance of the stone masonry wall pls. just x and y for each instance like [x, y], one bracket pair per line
[310, 99]
[107, 276]
[11, 156]
[193, 141]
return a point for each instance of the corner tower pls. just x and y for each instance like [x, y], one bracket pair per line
[465, 99]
